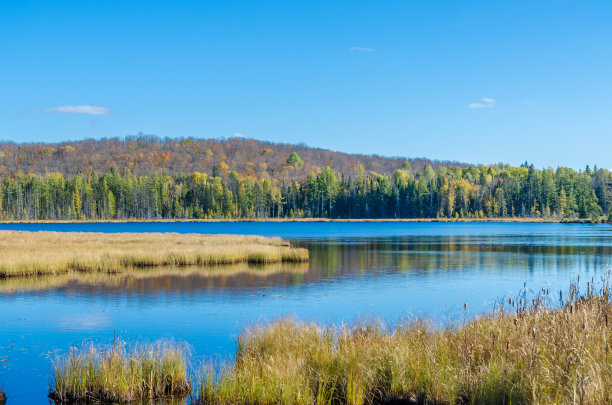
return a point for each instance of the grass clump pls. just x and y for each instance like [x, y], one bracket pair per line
[121, 374]
[525, 352]
[47, 253]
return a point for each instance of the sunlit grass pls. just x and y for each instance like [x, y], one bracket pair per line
[40, 253]
[120, 373]
[524, 352]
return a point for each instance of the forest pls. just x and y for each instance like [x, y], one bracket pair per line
[147, 154]
[62, 188]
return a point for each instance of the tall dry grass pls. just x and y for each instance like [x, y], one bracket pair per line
[39, 253]
[120, 374]
[525, 352]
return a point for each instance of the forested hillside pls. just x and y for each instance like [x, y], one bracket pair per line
[146, 155]
[147, 178]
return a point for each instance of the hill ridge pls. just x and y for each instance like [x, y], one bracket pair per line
[145, 154]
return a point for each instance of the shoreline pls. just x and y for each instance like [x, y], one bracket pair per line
[520, 352]
[310, 220]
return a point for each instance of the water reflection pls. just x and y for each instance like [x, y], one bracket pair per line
[347, 258]
[146, 282]
[342, 257]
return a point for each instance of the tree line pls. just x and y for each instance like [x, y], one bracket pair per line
[496, 191]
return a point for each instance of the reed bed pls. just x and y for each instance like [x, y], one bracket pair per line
[121, 374]
[45, 253]
[527, 351]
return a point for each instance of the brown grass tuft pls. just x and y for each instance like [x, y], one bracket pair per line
[120, 374]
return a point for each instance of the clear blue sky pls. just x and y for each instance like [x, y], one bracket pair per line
[475, 81]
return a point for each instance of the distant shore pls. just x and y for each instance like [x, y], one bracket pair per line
[415, 220]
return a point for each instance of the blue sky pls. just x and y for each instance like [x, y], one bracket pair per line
[474, 81]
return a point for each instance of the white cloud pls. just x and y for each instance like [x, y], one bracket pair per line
[79, 109]
[360, 49]
[488, 103]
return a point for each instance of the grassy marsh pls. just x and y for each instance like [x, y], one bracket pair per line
[45, 253]
[528, 351]
[121, 374]
[524, 352]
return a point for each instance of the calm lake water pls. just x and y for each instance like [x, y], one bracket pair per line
[386, 270]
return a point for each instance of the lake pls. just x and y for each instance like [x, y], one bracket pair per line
[388, 270]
